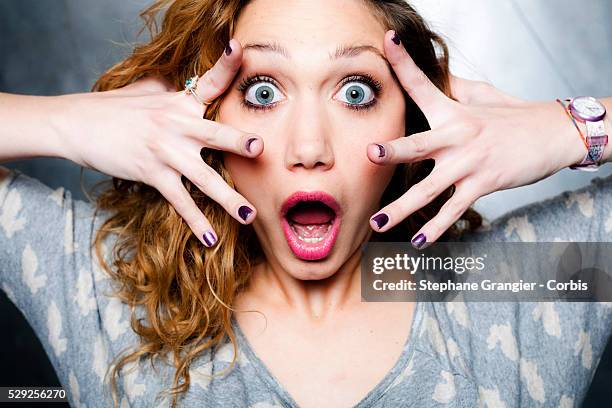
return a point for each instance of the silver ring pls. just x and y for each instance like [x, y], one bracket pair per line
[191, 85]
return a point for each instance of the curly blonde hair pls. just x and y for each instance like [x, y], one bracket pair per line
[187, 311]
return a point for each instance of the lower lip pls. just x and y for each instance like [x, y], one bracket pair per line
[311, 251]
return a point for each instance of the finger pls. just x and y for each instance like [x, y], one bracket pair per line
[171, 188]
[420, 88]
[220, 136]
[419, 195]
[415, 147]
[216, 80]
[450, 212]
[211, 183]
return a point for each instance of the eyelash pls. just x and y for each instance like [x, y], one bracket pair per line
[366, 78]
[246, 83]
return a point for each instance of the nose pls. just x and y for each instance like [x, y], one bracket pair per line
[308, 136]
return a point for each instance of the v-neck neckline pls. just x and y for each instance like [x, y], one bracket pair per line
[373, 395]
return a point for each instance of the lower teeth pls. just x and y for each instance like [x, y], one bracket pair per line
[310, 240]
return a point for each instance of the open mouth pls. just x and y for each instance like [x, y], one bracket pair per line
[311, 222]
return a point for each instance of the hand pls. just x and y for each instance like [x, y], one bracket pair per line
[151, 133]
[145, 85]
[484, 142]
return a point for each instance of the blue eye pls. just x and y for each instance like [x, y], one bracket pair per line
[262, 93]
[356, 93]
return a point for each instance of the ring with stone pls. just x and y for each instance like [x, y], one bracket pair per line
[191, 85]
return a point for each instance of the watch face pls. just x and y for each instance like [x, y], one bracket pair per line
[587, 108]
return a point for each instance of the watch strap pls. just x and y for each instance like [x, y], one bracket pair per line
[590, 162]
[596, 140]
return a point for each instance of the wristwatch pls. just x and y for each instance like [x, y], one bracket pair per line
[591, 112]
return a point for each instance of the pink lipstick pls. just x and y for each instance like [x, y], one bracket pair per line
[311, 223]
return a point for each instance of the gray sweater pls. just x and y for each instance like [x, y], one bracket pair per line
[501, 354]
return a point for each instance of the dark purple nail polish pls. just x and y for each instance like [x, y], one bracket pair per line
[381, 150]
[381, 220]
[419, 241]
[396, 39]
[228, 49]
[248, 143]
[244, 212]
[209, 238]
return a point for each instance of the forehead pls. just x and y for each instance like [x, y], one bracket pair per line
[309, 25]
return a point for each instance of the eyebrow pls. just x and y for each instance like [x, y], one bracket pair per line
[342, 51]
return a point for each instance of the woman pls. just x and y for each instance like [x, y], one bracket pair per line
[311, 79]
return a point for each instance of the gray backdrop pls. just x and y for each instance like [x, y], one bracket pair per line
[531, 49]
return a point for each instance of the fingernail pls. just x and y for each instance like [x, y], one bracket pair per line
[248, 143]
[381, 220]
[228, 49]
[244, 212]
[396, 39]
[381, 150]
[209, 238]
[419, 241]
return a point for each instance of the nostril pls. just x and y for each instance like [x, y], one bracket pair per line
[316, 165]
[310, 154]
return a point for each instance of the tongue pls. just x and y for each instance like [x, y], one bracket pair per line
[311, 214]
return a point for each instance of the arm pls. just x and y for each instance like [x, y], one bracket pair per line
[29, 127]
[47, 271]
[45, 126]
[50, 272]
[143, 132]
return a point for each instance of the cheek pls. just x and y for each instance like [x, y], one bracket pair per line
[244, 173]
[364, 181]
[372, 179]
[241, 170]
[233, 113]
[254, 176]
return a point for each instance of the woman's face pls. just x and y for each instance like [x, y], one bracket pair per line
[315, 86]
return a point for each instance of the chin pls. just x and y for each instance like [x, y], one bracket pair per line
[319, 269]
[314, 271]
